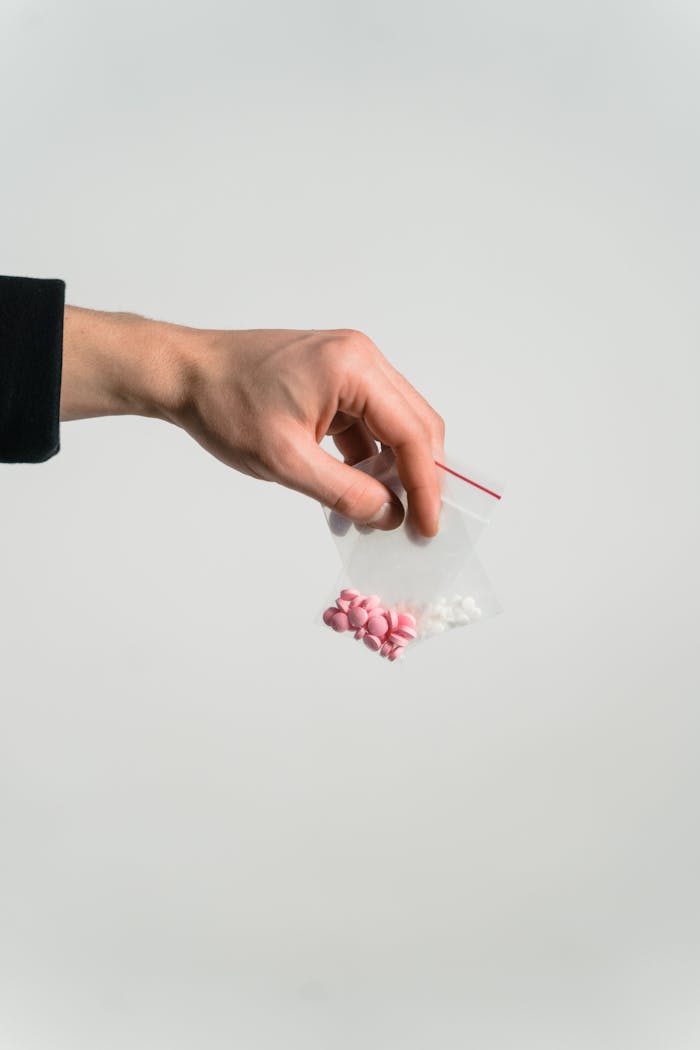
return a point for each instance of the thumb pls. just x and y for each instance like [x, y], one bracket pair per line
[349, 492]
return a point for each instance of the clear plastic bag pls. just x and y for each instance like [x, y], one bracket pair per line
[431, 584]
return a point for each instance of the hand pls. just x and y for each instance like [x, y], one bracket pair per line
[261, 401]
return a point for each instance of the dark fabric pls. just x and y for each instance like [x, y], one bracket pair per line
[31, 348]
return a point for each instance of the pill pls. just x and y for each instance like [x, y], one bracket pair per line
[385, 649]
[358, 616]
[377, 626]
[398, 639]
[406, 631]
[329, 614]
[348, 594]
[371, 602]
[340, 622]
[360, 633]
[395, 653]
[357, 600]
[407, 620]
[342, 604]
[372, 642]
[393, 619]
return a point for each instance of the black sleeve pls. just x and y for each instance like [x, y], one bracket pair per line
[31, 348]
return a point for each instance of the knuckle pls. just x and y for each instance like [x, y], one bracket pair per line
[355, 336]
[439, 424]
[344, 352]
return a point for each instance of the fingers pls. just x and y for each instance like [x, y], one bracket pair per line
[433, 422]
[396, 422]
[431, 419]
[309, 469]
[369, 400]
[354, 442]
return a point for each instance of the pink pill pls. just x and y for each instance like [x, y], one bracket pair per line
[340, 622]
[406, 620]
[371, 602]
[395, 653]
[329, 614]
[398, 639]
[372, 643]
[385, 649]
[360, 633]
[377, 626]
[358, 616]
[393, 618]
[406, 631]
[348, 594]
[358, 600]
[342, 604]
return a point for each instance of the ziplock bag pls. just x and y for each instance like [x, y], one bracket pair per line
[420, 586]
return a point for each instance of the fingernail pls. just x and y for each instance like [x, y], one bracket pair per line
[389, 516]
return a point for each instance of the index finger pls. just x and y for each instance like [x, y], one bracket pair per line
[395, 422]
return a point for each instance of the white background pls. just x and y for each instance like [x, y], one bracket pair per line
[220, 827]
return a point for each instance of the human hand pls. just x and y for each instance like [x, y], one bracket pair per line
[262, 400]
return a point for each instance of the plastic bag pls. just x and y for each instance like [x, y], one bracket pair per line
[420, 586]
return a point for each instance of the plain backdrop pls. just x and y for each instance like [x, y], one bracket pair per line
[220, 827]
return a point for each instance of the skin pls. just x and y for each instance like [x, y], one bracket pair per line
[261, 401]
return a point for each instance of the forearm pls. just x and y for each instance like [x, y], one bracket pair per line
[119, 364]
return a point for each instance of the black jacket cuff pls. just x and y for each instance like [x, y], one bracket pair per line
[31, 347]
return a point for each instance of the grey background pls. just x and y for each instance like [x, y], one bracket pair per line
[219, 827]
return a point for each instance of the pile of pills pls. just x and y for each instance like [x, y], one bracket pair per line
[384, 631]
[440, 615]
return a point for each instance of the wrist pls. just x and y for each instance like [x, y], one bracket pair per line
[120, 364]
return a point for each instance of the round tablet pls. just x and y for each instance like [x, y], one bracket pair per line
[406, 631]
[377, 626]
[438, 627]
[348, 594]
[407, 620]
[357, 600]
[372, 643]
[360, 633]
[398, 639]
[385, 649]
[393, 619]
[340, 622]
[358, 616]
[343, 604]
[329, 614]
[395, 654]
[371, 602]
